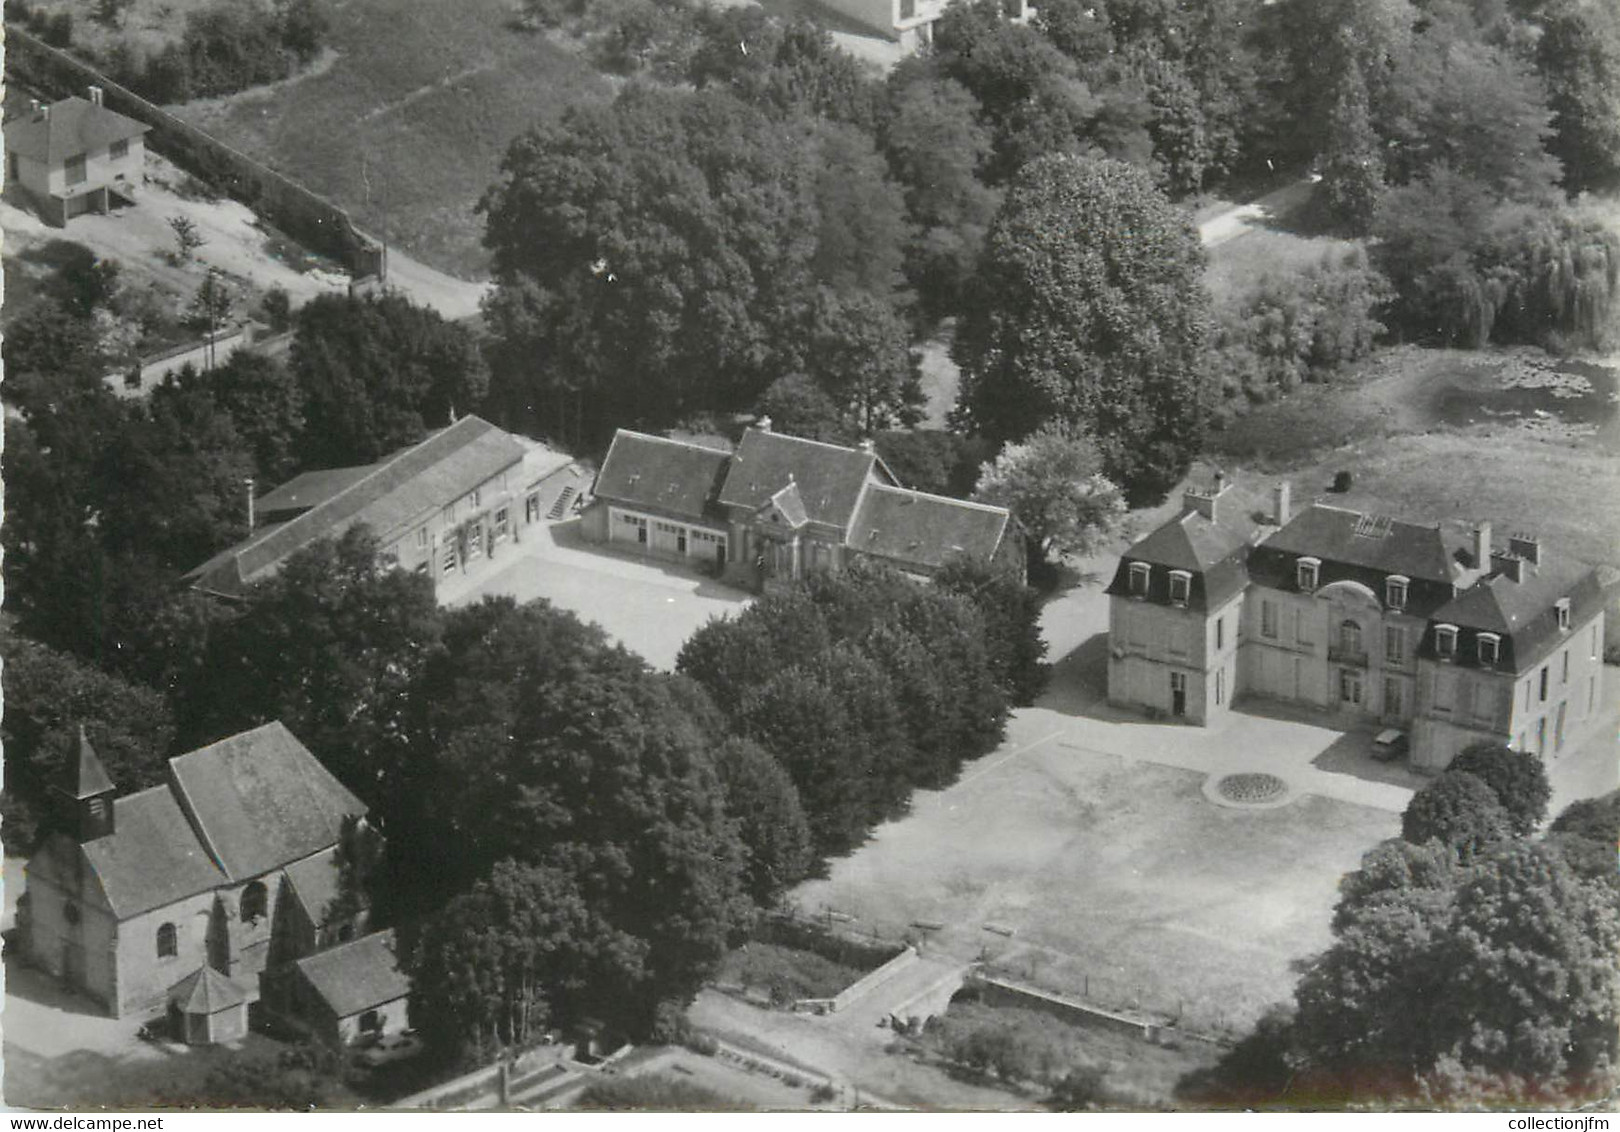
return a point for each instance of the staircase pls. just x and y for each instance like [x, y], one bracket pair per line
[560, 508]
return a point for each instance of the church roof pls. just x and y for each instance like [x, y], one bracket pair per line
[153, 857]
[206, 991]
[86, 776]
[359, 976]
[261, 800]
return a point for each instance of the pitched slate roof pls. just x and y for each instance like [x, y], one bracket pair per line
[1390, 546]
[829, 477]
[206, 991]
[671, 476]
[314, 883]
[74, 126]
[261, 800]
[924, 530]
[358, 976]
[152, 857]
[406, 486]
[86, 777]
[1214, 551]
[1524, 614]
[310, 489]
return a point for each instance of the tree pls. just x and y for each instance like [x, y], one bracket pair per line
[1518, 780]
[1588, 832]
[1054, 485]
[857, 354]
[186, 237]
[1012, 625]
[1578, 55]
[1090, 313]
[303, 27]
[1461, 811]
[49, 696]
[266, 407]
[330, 645]
[764, 802]
[799, 406]
[297, 1078]
[938, 150]
[783, 66]
[532, 738]
[488, 967]
[650, 258]
[211, 306]
[1352, 166]
[932, 460]
[376, 373]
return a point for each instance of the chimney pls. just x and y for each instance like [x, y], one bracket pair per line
[1482, 546]
[1508, 565]
[44, 112]
[1282, 503]
[249, 482]
[867, 445]
[763, 424]
[1206, 502]
[95, 95]
[33, 107]
[1527, 547]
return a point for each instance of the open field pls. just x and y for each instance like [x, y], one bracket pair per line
[406, 128]
[1430, 434]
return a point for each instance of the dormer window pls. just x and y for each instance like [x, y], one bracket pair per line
[1563, 614]
[1490, 648]
[1306, 572]
[1395, 591]
[1139, 578]
[1445, 641]
[1180, 586]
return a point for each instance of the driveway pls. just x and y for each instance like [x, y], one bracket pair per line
[648, 607]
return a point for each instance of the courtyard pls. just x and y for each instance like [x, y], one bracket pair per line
[648, 607]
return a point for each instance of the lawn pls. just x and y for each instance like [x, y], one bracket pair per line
[406, 128]
[1089, 873]
[1386, 422]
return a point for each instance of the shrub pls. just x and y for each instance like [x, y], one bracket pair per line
[59, 30]
[1457, 809]
[1518, 779]
[655, 1093]
[1079, 1090]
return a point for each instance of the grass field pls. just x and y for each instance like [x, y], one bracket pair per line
[406, 128]
[1380, 422]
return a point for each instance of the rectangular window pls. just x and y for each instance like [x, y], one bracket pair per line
[1445, 641]
[1139, 578]
[11, 167]
[1529, 693]
[1443, 692]
[475, 540]
[1564, 679]
[75, 170]
[1305, 573]
[1395, 591]
[1489, 645]
[1394, 644]
[1220, 634]
[503, 524]
[1220, 686]
[448, 565]
[1563, 614]
[118, 150]
[1268, 619]
[1594, 642]
[1591, 694]
[1558, 727]
[908, 9]
[1544, 683]
[1180, 586]
[475, 497]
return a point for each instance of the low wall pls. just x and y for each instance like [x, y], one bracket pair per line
[312, 220]
[998, 991]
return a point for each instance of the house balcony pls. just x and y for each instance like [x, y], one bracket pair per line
[1338, 654]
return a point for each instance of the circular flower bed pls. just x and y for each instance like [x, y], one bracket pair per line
[1249, 789]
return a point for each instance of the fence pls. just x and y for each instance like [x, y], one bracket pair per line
[312, 220]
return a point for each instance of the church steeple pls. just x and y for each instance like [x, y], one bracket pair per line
[86, 792]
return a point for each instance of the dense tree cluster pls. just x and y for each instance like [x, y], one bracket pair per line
[1091, 314]
[1473, 962]
[864, 686]
[225, 47]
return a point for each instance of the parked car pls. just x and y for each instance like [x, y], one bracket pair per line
[1389, 745]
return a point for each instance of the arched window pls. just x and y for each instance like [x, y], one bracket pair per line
[168, 941]
[255, 902]
[1350, 638]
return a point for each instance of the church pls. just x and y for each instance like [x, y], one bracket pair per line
[176, 899]
[1435, 629]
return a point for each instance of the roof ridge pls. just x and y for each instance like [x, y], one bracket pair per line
[653, 436]
[807, 440]
[977, 505]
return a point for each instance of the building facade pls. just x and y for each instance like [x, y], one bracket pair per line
[1431, 629]
[780, 508]
[233, 865]
[450, 507]
[910, 23]
[75, 156]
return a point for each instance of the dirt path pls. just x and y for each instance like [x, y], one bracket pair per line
[1244, 218]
